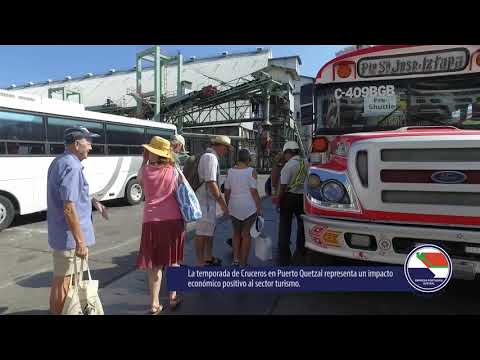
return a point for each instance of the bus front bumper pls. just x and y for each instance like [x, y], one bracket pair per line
[390, 244]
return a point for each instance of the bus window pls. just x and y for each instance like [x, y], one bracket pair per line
[56, 127]
[2, 148]
[56, 149]
[164, 133]
[118, 150]
[412, 102]
[97, 150]
[24, 148]
[13, 148]
[125, 135]
[16, 126]
[135, 150]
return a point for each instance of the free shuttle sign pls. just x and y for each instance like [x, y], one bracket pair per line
[378, 105]
[419, 63]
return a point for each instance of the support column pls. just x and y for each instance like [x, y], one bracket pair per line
[179, 73]
[157, 82]
[139, 86]
[267, 107]
[179, 88]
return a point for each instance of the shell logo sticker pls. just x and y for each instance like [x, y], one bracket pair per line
[324, 237]
[331, 238]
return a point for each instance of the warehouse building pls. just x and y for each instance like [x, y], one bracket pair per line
[115, 91]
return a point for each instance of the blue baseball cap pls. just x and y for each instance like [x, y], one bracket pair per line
[77, 133]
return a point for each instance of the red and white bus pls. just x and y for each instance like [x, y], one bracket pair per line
[396, 155]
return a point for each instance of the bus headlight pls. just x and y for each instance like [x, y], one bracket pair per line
[333, 191]
[330, 190]
[314, 181]
[313, 187]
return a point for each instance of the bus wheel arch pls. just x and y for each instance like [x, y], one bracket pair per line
[9, 208]
[133, 192]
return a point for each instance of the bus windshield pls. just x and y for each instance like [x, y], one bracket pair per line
[391, 104]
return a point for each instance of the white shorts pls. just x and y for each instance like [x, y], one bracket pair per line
[206, 225]
[204, 228]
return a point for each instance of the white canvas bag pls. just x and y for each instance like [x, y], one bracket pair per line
[88, 293]
[263, 248]
[72, 304]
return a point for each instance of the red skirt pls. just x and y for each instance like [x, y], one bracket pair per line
[161, 244]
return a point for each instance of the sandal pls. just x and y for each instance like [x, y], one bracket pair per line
[156, 310]
[174, 302]
[214, 262]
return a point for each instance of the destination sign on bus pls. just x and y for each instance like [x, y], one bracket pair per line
[420, 63]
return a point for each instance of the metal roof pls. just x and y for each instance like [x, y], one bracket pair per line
[202, 72]
[89, 76]
[239, 124]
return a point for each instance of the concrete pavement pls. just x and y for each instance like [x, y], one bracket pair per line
[129, 295]
[26, 264]
[26, 260]
[25, 276]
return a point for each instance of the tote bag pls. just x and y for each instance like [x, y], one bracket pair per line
[263, 248]
[187, 199]
[88, 293]
[72, 305]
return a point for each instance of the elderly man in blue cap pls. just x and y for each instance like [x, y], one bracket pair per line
[69, 212]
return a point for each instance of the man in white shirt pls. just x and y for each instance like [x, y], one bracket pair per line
[209, 195]
[290, 202]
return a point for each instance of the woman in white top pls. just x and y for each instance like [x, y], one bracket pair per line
[243, 203]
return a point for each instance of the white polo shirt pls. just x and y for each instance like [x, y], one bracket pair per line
[208, 170]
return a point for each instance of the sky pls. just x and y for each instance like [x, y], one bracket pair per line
[38, 63]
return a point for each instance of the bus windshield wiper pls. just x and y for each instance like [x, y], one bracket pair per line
[388, 115]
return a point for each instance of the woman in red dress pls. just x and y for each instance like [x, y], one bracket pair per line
[163, 229]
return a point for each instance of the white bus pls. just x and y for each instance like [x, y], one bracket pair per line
[31, 136]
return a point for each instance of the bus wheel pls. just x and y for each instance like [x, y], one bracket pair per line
[7, 212]
[133, 192]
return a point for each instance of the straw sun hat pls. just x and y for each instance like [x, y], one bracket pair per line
[159, 146]
[221, 140]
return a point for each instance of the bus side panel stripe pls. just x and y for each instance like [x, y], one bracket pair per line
[113, 178]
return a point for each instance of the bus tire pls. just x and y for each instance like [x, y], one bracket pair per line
[7, 212]
[133, 192]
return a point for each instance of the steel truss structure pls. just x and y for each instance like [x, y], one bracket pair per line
[231, 102]
[253, 98]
